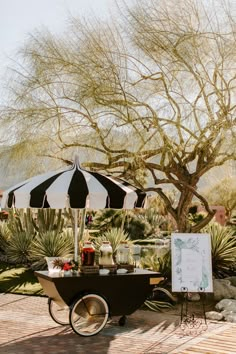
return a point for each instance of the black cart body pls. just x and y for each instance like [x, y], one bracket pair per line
[124, 293]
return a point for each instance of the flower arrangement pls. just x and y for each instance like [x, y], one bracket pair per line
[63, 264]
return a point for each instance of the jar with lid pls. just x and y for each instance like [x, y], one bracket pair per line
[122, 256]
[105, 256]
[88, 254]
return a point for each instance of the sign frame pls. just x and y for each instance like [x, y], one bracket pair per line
[191, 262]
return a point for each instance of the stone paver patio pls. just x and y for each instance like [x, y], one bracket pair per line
[26, 328]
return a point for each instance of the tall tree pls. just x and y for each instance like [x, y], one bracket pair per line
[150, 97]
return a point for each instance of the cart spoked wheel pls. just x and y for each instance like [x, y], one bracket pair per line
[89, 315]
[59, 314]
[122, 320]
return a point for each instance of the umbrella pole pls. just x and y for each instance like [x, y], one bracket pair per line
[76, 234]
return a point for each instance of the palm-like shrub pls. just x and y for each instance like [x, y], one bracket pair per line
[51, 244]
[223, 249]
[18, 248]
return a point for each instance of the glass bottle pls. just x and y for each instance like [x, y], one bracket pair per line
[122, 255]
[88, 254]
[105, 257]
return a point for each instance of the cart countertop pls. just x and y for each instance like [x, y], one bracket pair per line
[137, 272]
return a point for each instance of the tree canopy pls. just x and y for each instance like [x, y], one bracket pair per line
[149, 95]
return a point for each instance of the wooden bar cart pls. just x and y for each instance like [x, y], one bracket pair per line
[87, 301]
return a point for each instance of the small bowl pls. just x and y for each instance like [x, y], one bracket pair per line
[122, 271]
[104, 271]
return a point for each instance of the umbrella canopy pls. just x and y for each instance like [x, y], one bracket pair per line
[74, 188]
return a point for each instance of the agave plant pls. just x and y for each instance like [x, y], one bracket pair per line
[18, 249]
[51, 244]
[223, 249]
[158, 305]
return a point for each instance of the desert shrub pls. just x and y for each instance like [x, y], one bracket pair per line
[18, 248]
[51, 244]
[223, 249]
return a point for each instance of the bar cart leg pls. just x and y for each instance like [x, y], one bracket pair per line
[122, 320]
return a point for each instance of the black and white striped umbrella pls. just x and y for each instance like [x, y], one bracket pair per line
[74, 188]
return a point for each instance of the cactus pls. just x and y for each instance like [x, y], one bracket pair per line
[21, 221]
[49, 220]
[25, 221]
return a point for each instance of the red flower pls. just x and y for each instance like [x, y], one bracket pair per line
[67, 266]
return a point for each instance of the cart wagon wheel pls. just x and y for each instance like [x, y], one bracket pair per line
[89, 315]
[58, 313]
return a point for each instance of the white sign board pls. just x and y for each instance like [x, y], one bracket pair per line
[191, 263]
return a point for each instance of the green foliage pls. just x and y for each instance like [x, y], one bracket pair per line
[137, 227]
[107, 218]
[18, 249]
[223, 249]
[4, 236]
[150, 261]
[18, 279]
[51, 244]
[223, 193]
[157, 306]
[158, 263]
[165, 265]
[154, 219]
[194, 216]
[138, 224]
[31, 222]
[49, 220]
[24, 231]
[21, 221]
[115, 236]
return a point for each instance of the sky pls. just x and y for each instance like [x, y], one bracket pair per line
[18, 18]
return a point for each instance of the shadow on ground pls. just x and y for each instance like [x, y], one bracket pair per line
[66, 341]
